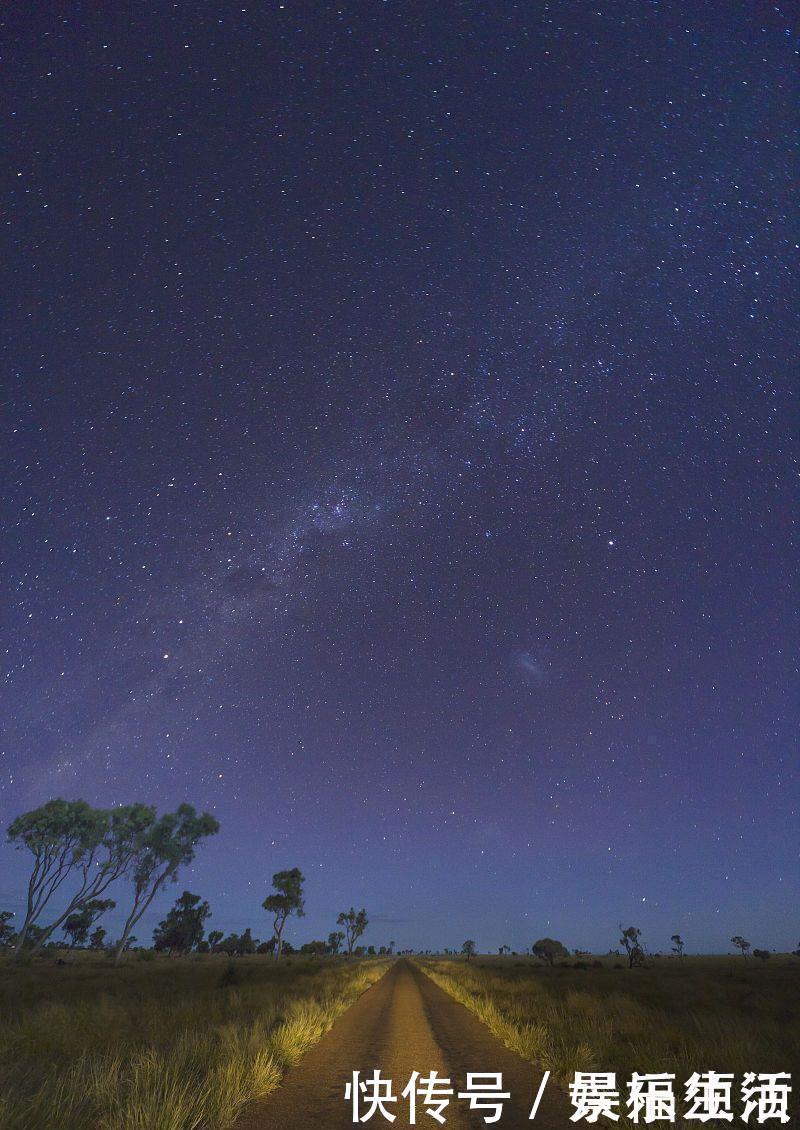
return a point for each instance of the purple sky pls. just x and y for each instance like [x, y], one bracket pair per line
[398, 457]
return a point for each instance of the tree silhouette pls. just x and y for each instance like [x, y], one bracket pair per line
[741, 944]
[183, 927]
[80, 922]
[247, 943]
[633, 947]
[162, 846]
[287, 900]
[97, 940]
[6, 929]
[315, 949]
[468, 948]
[355, 923]
[71, 840]
[548, 949]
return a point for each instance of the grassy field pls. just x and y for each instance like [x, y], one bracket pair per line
[694, 1014]
[159, 1045]
[179, 1044]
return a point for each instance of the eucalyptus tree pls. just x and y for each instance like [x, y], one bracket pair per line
[162, 846]
[98, 939]
[548, 949]
[184, 925]
[60, 835]
[70, 840]
[287, 900]
[355, 923]
[335, 939]
[80, 922]
[741, 944]
[634, 948]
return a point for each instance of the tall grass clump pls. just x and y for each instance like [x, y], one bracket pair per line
[165, 1045]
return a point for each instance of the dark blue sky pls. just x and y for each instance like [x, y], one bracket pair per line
[399, 456]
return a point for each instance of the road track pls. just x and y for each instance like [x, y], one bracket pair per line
[405, 1023]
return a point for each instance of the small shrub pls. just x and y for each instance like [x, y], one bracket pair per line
[230, 976]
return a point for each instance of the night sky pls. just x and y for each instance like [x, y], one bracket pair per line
[398, 456]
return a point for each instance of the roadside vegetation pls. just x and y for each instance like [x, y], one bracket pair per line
[77, 852]
[160, 1044]
[677, 1014]
[182, 1034]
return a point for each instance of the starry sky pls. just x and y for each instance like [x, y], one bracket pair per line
[398, 456]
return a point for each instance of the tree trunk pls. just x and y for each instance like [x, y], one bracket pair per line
[87, 892]
[120, 950]
[20, 942]
[138, 909]
[46, 935]
[29, 915]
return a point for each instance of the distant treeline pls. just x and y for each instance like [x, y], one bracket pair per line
[79, 851]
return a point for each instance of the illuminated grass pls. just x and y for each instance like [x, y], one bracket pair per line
[163, 1045]
[681, 1017]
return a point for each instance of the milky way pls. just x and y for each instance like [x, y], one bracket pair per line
[398, 454]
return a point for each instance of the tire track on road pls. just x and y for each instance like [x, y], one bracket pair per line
[404, 1023]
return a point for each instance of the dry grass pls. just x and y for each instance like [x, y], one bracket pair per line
[697, 1014]
[164, 1045]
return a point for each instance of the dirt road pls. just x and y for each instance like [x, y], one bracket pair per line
[405, 1023]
